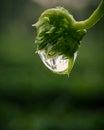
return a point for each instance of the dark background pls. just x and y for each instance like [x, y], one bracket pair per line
[31, 96]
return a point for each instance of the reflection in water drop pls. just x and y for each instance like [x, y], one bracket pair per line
[57, 64]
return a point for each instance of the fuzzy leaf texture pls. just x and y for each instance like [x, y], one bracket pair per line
[56, 34]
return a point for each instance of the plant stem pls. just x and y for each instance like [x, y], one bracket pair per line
[93, 19]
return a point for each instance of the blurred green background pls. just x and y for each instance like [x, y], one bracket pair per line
[31, 96]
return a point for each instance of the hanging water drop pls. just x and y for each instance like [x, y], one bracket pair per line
[57, 64]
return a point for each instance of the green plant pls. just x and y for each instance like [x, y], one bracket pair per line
[59, 36]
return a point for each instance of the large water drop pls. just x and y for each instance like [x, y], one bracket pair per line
[58, 64]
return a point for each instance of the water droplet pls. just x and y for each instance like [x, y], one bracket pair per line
[57, 64]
